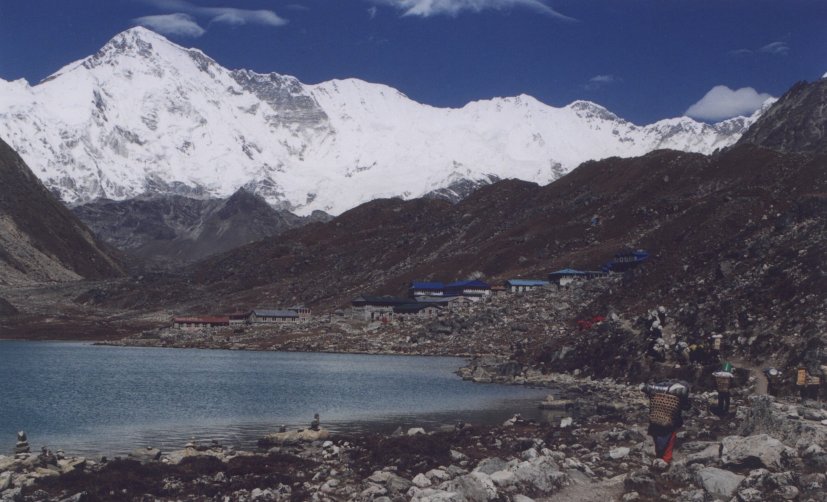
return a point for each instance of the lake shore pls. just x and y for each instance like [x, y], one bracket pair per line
[596, 450]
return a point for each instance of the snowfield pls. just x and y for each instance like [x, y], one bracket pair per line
[144, 115]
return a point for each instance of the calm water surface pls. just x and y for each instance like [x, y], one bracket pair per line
[86, 399]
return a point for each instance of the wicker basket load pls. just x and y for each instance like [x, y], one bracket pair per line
[813, 380]
[801, 377]
[662, 408]
[723, 383]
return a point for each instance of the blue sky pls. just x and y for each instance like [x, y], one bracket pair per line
[643, 59]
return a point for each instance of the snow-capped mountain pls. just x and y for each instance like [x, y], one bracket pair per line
[144, 115]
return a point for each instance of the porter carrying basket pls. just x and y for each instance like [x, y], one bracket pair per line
[801, 377]
[662, 408]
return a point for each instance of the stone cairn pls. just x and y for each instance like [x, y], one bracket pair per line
[22, 445]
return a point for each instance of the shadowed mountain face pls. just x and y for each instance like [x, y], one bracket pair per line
[174, 230]
[796, 123]
[40, 240]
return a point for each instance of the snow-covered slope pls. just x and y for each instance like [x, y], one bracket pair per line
[145, 115]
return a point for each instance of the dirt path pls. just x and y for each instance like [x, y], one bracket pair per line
[606, 491]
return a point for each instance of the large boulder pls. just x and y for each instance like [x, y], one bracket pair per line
[755, 451]
[540, 474]
[491, 465]
[476, 486]
[766, 416]
[718, 482]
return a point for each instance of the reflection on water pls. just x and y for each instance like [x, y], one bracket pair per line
[86, 399]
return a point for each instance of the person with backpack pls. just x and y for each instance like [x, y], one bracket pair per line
[723, 382]
[667, 401]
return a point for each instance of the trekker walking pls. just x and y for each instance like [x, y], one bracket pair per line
[723, 383]
[666, 402]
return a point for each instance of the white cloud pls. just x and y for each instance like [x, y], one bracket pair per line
[776, 48]
[226, 15]
[603, 79]
[599, 81]
[178, 24]
[242, 16]
[773, 48]
[372, 11]
[427, 8]
[721, 103]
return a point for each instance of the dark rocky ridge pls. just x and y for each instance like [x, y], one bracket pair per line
[796, 123]
[7, 308]
[40, 240]
[173, 230]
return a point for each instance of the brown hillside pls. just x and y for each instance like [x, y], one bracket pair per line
[40, 240]
[692, 212]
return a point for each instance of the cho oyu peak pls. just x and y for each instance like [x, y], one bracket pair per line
[144, 115]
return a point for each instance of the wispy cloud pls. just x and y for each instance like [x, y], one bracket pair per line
[721, 103]
[778, 48]
[180, 25]
[427, 8]
[599, 81]
[184, 10]
[372, 11]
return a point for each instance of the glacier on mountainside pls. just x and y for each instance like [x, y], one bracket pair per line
[144, 115]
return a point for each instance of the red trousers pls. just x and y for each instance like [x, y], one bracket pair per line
[664, 445]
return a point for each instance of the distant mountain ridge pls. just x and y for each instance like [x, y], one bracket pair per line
[172, 230]
[146, 116]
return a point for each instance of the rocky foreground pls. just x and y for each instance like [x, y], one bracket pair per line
[593, 449]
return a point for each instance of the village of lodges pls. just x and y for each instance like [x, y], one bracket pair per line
[254, 316]
[425, 299]
[430, 299]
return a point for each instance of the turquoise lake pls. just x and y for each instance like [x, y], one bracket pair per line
[87, 399]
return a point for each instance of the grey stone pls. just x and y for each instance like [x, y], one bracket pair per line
[706, 456]
[5, 481]
[503, 478]
[476, 486]
[491, 465]
[618, 453]
[437, 475]
[789, 492]
[433, 495]
[78, 497]
[754, 451]
[750, 495]
[144, 455]
[642, 483]
[373, 490]
[541, 474]
[421, 481]
[397, 484]
[718, 482]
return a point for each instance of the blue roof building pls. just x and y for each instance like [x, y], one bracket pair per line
[520, 285]
[426, 289]
[471, 287]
